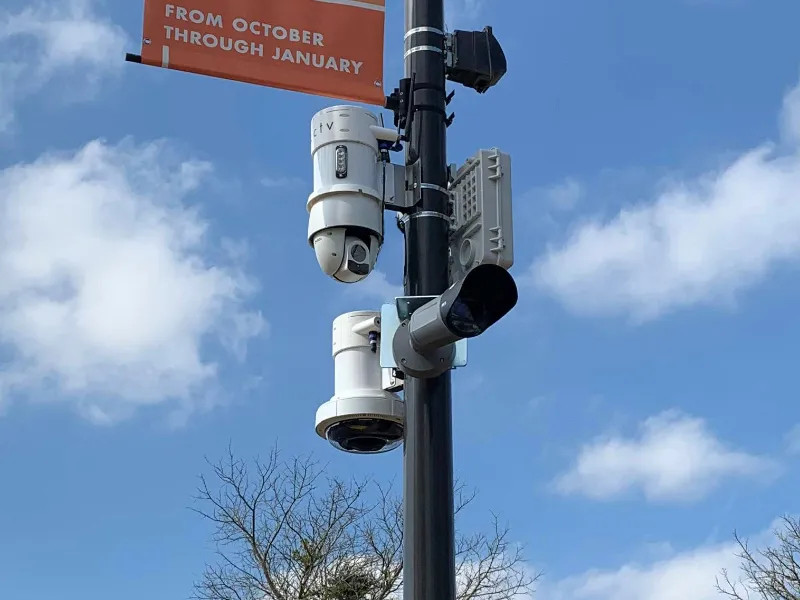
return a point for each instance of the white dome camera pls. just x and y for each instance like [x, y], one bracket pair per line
[347, 255]
[362, 417]
[345, 225]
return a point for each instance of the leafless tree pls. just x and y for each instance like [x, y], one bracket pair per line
[769, 574]
[285, 531]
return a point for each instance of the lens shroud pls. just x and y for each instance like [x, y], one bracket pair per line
[481, 299]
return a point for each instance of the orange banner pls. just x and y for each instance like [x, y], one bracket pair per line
[326, 47]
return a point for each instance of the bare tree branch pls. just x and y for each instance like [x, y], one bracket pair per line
[285, 532]
[769, 574]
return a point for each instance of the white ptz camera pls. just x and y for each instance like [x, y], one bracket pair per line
[362, 417]
[345, 225]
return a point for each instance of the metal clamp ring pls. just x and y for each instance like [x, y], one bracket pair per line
[436, 188]
[424, 214]
[416, 30]
[423, 49]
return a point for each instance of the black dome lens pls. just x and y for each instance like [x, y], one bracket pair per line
[366, 436]
[366, 444]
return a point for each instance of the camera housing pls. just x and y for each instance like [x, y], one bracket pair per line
[345, 225]
[362, 417]
[476, 59]
[423, 345]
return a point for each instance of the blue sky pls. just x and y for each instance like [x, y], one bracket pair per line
[158, 297]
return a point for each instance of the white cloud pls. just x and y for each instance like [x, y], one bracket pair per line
[55, 40]
[457, 12]
[688, 576]
[675, 458]
[566, 195]
[791, 116]
[282, 182]
[562, 196]
[793, 440]
[377, 287]
[106, 294]
[699, 242]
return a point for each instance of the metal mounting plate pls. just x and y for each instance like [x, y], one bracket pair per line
[390, 323]
[408, 304]
[395, 196]
[413, 364]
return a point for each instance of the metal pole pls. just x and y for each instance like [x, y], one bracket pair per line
[429, 555]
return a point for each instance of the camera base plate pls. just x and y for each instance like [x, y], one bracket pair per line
[421, 366]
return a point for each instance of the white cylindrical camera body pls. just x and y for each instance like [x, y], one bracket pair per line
[345, 224]
[361, 416]
[357, 366]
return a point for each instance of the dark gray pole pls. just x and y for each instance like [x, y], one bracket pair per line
[429, 557]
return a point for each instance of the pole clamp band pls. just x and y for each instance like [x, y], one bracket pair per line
[411, 51]
[416, 30]
[434, 187]
[429, 214]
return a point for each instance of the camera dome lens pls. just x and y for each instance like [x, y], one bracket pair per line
[358, 253]
[366, 436]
